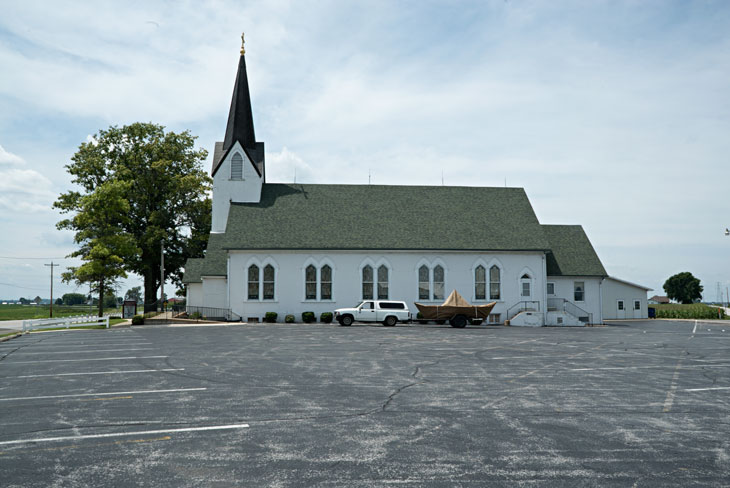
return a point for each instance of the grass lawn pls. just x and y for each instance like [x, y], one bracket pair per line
[24, 312]
[689, 311]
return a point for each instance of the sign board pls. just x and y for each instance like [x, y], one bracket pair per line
[129, 309]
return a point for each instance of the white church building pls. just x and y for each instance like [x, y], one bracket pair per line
[291, 248]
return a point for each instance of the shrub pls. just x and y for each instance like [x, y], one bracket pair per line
[137, 320]
[326, 317]
[289, 319]
[270, 317]
[196, 315]
[308, 317]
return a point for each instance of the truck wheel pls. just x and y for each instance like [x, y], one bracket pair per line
[390, 321]
[346, 320]
[458, 322]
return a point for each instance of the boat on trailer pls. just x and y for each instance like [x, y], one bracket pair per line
[456, 310]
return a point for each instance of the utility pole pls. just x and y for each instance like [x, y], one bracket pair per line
[52, 266]
[162, 276]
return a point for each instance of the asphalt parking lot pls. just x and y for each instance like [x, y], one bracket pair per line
[632, 404]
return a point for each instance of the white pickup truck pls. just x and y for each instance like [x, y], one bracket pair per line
[388, 312]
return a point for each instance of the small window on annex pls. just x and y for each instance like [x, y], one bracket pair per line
[310, 283]
[620, 304]
[525, 282]
[253, 282]
[551, 288]
[367, 282]
[382, 282]
[579, 291]
[237, 167]
[637, 305]
[494, 282]
[480, 283]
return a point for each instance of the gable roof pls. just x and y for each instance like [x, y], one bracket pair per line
[215, 262]
[379, 217]
[572, 254]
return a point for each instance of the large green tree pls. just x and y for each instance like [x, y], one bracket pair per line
[683, 287]
[166, 190]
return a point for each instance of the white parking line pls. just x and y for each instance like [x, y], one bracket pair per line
[93, 372]
[87, 351]
[111, 393]
[695, 329]
[57, 345]
[709, 389]
[124, 434]
[87, 359]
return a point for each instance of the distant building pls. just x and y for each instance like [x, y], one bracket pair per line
[289, 248]
[657, 300]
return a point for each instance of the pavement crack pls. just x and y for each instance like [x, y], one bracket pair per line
[397, 392]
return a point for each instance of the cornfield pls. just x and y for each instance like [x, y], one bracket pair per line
[691, 311]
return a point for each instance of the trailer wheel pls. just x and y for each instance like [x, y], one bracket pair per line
[390, 321]
[458, 322]
[346, 320]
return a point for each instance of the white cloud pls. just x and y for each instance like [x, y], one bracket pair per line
[285, 166]
[9, 159]
[25, 191]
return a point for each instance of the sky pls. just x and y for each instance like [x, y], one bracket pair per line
[613, 115]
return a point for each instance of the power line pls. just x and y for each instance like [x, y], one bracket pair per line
[23, 287]
[16, 257]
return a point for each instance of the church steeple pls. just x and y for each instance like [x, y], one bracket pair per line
[240, 116]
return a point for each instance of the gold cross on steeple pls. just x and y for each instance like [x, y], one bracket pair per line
[243, 50]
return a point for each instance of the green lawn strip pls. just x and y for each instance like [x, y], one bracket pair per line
[688, 311]
[9, 334]
[29, 312]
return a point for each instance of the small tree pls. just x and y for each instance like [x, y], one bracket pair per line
[37, 300]
[683, 287]
[134, 293]
[59, 301]
[103, 246]
[74, 299]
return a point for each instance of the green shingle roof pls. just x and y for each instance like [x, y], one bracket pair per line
[572, 254]
[293, 216]
[214, 263]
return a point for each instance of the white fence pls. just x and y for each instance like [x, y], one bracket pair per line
[77, 321]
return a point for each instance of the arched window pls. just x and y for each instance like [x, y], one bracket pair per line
[480, 283]
[494, 282]
[367, 283]
[382, 282]
[325, 285]
[253, 282]
[438, 282]
[237, 167]
[424, 285]
[269, 276]
[310, 283]
[525, 285]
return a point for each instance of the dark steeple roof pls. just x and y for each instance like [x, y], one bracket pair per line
[240, 117]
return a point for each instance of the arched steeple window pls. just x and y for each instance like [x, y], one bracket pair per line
[237, 167]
